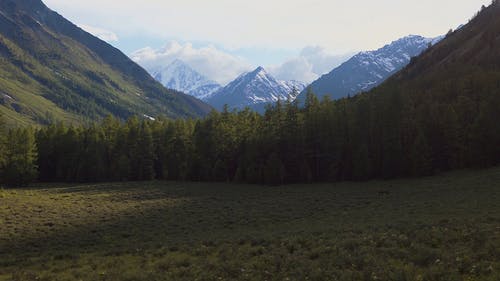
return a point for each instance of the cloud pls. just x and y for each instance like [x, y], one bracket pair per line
[336, 24]
[100, 33]
[213, 63]
[222, 67]
[312, 62]
[294, 69]
[322, 61]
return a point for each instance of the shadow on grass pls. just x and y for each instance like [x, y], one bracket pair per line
[142, 217]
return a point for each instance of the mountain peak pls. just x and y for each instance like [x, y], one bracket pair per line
[177, 62]
[259, 71]
[255, 89]
[411, 37]
[370, 68]
[181, 77]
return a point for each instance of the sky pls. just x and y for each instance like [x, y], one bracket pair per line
[293, 39]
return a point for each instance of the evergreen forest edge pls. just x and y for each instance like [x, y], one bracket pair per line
[369, 136]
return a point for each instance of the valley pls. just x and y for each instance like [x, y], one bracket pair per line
[193, 161]
[435, 228]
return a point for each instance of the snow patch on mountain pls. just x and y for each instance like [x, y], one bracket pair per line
[255, 88]
[181, 77]
[367, 70]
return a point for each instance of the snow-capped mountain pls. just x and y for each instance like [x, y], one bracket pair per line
[367, 70]
[293, 86]
[181, 77]
[254, 89]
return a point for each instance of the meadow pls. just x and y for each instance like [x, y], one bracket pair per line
[445, 227]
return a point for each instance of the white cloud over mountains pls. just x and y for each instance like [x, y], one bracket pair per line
[213, 63]
[223, 67]
[311, 63]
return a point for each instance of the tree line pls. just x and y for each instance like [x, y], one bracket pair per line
[369, 136]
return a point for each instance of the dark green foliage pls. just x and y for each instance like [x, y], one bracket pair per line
[19, 167]
[146, 153]
[3, 149]
[387, 135]
[274, 171]
[381, 135]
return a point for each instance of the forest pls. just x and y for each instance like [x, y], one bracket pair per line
[370, 136]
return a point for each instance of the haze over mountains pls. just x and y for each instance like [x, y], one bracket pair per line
[52, 70]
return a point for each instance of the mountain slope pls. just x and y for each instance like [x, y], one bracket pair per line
[181, 77]
[52, 70]
[368, 69]
[255, 90]
[472, 48]
[445, 105]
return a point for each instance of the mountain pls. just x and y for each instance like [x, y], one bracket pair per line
[465, 62]
[50, 69]
[255, 90]
[366, 70]
[445, 104]
[181, 77]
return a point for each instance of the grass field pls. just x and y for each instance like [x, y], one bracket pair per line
[440, 228]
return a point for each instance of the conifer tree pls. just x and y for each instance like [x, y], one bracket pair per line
[91, 166]
[275, 171]
[146, 153]
[420, 156]
[21, 157]
[132, 149]
[3, 149]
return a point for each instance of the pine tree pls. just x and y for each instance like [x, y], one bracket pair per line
[3, 150]
[311, 102]
[21, 157]
[275, 171]
[110, 128]
[132, 149]
[146, 153]
[420, 156]
[92, 163]
[484, 146]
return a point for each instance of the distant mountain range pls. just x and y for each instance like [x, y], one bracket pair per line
[255, 90]
[181, 77]
[258, 88]
[51, 70]
[367, 70]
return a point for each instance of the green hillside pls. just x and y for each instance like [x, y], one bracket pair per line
[52, 70]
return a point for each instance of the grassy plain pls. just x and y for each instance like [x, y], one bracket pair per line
[439, 228]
